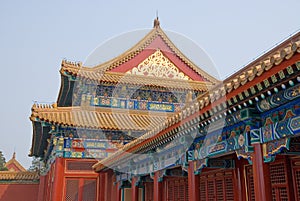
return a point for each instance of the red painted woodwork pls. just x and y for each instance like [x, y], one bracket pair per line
[157, 187]
[249, 182]
[193, 183]
[134, 190]
[177, 189]
[118, 192]
[102, 187]
[282, 188]
[217, 185]
[58, 184]
[279, 180]
[111, 193]
[239, 180]
[261, 175]
[295, 165]
[16, 192]
[78, 189]
[149, 191]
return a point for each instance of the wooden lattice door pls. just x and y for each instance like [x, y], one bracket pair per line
[296, 177]
[177, 189]
[278, 178]
[250, 183]
[216, 186]
[279, 181]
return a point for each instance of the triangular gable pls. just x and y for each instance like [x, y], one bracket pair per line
[157, 65]
[153, 41]
[13, 165]
[158, 43]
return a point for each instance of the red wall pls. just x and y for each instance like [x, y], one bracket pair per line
[15, 192]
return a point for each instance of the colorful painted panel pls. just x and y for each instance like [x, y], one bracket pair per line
[282, 129]
[82, 148]
[279, 98]
[136, 104]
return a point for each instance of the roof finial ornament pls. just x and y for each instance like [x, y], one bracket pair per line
[156, 21]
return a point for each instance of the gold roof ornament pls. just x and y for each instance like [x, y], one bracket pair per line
[157, 65]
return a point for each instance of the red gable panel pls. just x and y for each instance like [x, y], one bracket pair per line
[159, 43]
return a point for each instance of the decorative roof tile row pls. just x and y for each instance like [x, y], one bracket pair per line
[20, 176]
[115, 119]
[274, 57]
[122, 78]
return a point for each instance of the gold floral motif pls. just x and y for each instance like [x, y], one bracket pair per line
[157, 65]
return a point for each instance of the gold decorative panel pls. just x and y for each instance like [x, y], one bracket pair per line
[157, 65]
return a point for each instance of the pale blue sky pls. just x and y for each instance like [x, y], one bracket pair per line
[36, 36]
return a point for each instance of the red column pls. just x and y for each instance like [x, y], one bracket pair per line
[109, 185]
[157, 188]
[57, 188]
[102, 187]
[239, 181]
[118, 189]
[134, 189]
[194, 183]
[261, 175]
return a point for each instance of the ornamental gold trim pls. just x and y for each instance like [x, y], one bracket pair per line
[157, 65]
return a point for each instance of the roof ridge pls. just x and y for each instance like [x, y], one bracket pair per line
[186, 60]
[131, 52]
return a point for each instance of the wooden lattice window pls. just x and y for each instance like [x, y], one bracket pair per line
[279, 181]
[296, 177]
[177, 189]
[81, 189]
[229, 191]
[250, 183]
[203, 189]
[80, 165]
[297, 183]
[216, 186]
[72, 190]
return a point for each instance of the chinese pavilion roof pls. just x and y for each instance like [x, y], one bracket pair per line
[257, 72]
[154, 49]
[98, 118]
[14, 165]
[17, 173]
